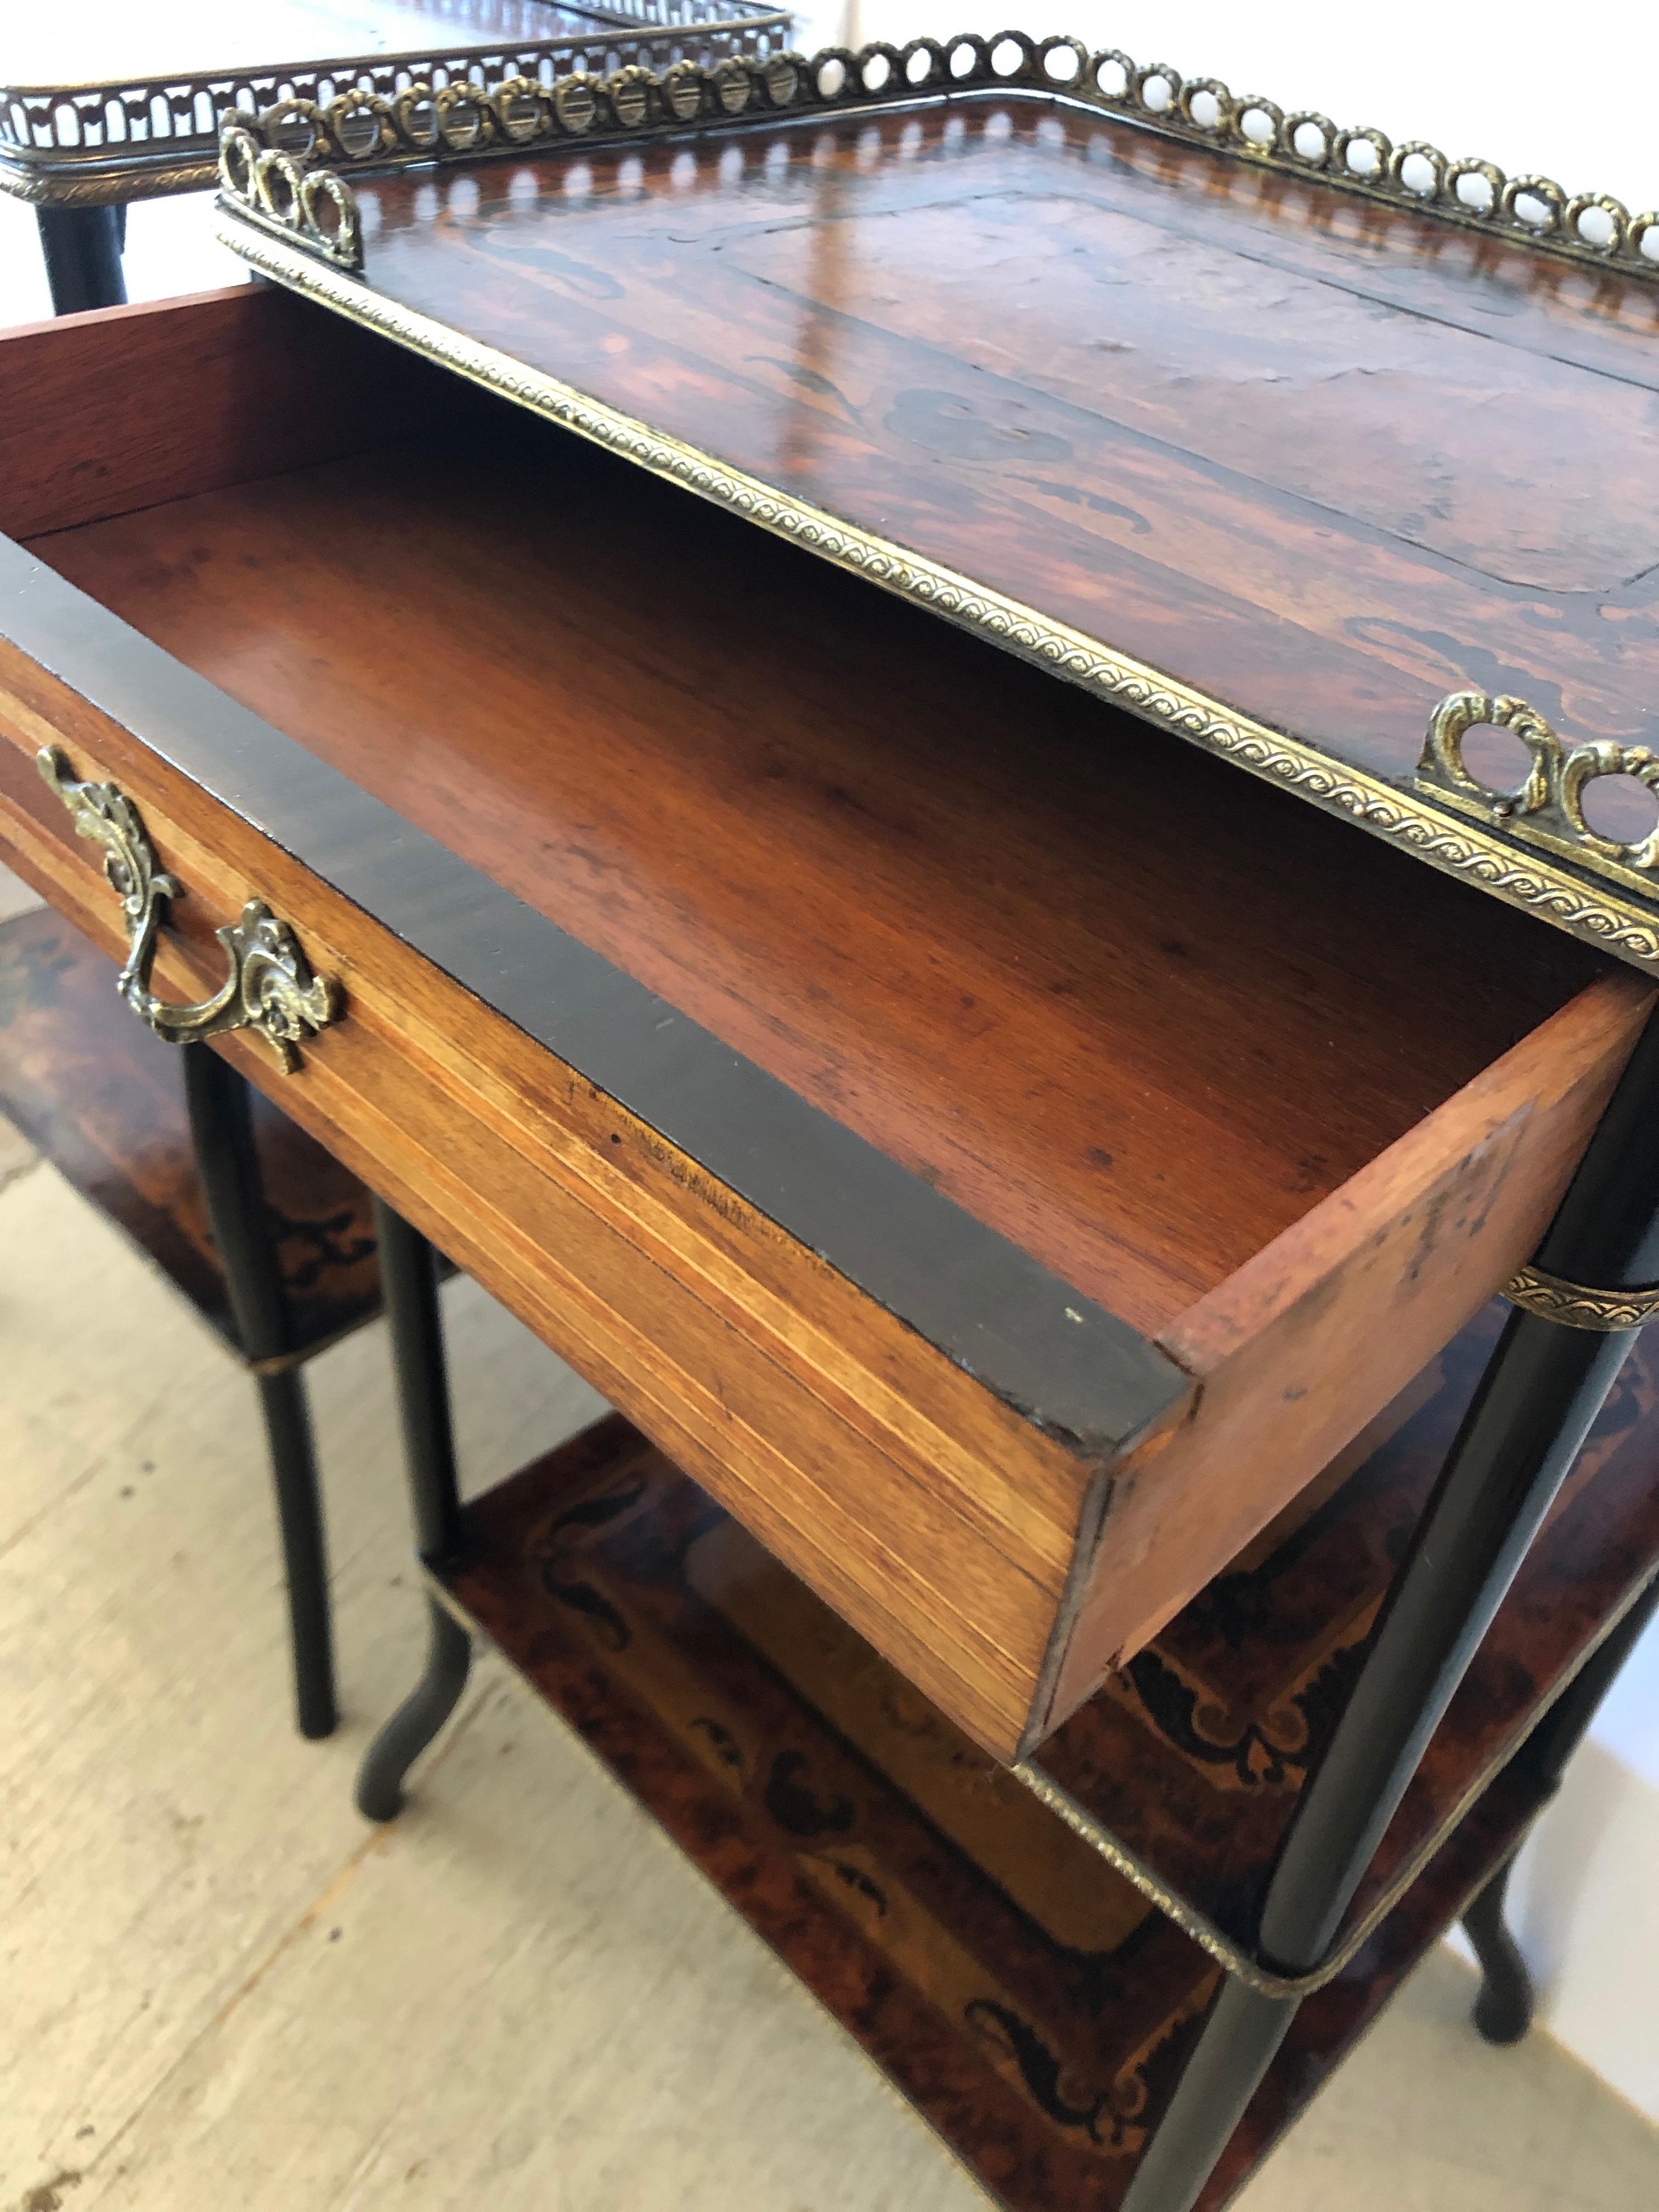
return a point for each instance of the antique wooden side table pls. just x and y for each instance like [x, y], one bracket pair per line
[1082, 1563]
[103, 103]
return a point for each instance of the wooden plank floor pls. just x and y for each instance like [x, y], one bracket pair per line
[221, 1988]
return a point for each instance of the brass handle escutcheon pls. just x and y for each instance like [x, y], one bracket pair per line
[270, 988]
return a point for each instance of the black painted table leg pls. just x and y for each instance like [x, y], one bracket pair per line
[217, 1100]
[83, 250]
[379, 1792]
[1503, 2011]
[287, 1410]
[410, 1285]
[1542, 1388]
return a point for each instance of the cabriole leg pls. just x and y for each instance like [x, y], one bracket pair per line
[379, 1791]
[1503, 2011]
[410, 1285]
[1542, 1388]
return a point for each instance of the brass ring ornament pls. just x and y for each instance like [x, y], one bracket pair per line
[274, 187]
[270, 988]
[1453, 719]
[1581, 768]
[1576, 1306]
[1547, 806]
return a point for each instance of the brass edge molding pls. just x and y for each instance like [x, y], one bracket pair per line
[270, 987]
[1546, 807]
[1241, 1963]
[362, 128]
[1194, 1925]
[1471, 853]
[1577, 1306]
[53, 186]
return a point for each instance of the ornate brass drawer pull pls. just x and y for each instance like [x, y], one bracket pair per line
[270, 988]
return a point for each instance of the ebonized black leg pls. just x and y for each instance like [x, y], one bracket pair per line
[1503, 2011]
[408, 1284]
[304, 1553]
[379, 1792]
[222, 1131]
[82, 251]
[1542, 1388]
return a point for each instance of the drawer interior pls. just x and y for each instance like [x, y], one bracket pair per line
[1133, 1009]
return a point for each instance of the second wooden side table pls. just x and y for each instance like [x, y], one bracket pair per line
[102, 103]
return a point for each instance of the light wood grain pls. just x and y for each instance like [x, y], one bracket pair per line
[128, 406]
[1058, 967]
[1342, 1311]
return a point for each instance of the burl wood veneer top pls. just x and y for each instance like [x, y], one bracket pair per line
[1324, 460]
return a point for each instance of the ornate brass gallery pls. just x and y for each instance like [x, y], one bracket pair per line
[81, 141]
[367, 131]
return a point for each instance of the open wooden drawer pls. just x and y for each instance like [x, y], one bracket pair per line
[1002, 1154]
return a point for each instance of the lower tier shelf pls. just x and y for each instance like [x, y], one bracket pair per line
[1035, 2008]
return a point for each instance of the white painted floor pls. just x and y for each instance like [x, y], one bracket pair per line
[222, 1989]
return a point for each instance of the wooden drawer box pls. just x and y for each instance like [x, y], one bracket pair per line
[1000, 1154]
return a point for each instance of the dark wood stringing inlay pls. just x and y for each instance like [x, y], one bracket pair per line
[1035, 2009]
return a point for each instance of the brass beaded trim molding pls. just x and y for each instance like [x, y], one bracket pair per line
[1577, 1307]
[366, 129]
[1242, 1963]
[1546, 807]
[1472, 852]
